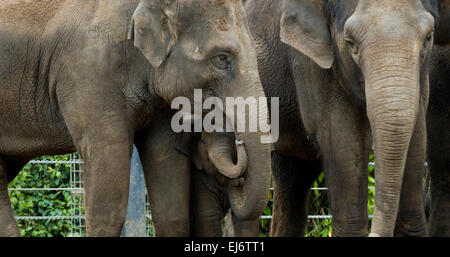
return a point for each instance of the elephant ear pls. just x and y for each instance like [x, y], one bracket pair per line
[304, 26]
[151, 31]
[443, 29]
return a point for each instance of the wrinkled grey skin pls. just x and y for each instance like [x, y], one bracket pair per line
[210, 191]
[438, 121]
[93, 75]
[349, 74]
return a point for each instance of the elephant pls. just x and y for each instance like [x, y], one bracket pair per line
[212, 155]
[438, 125]
[95, 76]
[211, 159]
[349, 74]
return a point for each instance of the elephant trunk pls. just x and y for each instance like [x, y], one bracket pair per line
[221, 157]
[248, 199]
[393, 95]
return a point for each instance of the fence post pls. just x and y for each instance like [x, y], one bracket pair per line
[135, 223]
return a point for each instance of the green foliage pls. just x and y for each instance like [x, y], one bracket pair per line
[265, 223]
[42, 203]
[371, 202]
[318, 205]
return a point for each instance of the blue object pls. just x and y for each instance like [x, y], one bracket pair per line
[135, 225]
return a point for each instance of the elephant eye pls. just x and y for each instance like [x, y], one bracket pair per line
[222, 61]
[428, 39]
[351, 45]
[203, 141]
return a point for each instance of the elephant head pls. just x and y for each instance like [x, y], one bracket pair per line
[381, 50]
[206, 44]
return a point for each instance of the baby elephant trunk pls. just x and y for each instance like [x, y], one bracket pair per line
[221, 157]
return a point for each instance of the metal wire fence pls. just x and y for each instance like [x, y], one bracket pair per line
[76, 190]
[76, 195]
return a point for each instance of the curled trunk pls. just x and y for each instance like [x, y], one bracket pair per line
[221, 157]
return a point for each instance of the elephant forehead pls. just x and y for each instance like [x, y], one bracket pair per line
[206, 24]
[400, 6]
[400, 18]
[217, 14]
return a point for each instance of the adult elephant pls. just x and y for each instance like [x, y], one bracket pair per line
[438, 121]
[348, 74]
[89, 76]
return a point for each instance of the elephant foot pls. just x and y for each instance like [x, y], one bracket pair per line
[409, 231]
[10, 231]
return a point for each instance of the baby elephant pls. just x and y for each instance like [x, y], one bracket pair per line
[220, 161]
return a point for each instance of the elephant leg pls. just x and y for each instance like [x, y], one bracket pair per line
[345, 145]
[8, 225]
[245, 228]
[106, 181]
[167, 176]
[440, 197]
[439, 161]
[167, 180]
[292, 182]
[347, 183]
[207, 211]
[411, 219]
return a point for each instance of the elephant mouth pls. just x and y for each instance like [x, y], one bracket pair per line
[237, 182]
[233, 182]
